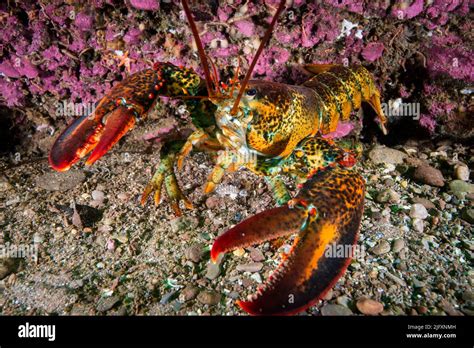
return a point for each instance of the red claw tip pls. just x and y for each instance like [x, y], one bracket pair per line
[247, 307]
[215, 252]
[59, 168]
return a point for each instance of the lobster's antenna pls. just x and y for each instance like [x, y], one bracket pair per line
[202, 53]
[266, 37]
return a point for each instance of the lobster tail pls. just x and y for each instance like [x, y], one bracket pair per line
[343, 89]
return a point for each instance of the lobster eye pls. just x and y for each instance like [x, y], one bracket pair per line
[251, 92]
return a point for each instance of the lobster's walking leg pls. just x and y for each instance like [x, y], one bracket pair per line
[194, 139]
[223, 164]
[165, 175]
[198, 139]
[279, 190]
[327, 214]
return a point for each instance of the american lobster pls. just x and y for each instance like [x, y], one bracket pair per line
[283, 129]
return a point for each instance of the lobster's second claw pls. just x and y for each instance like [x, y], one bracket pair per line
[328, 214]
[74, 143]
[89, 133]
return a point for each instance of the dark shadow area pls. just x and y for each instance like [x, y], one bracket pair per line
[9, 138]
[400, 128]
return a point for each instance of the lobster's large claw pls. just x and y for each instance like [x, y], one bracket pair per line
[327, 213]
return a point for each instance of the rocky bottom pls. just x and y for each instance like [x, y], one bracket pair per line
[101, 252]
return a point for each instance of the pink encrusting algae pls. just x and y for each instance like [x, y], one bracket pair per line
[61, 50]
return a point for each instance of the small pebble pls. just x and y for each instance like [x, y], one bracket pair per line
[382, 154]
[256, 255]
[250, 267]
[335, 310]
[212, 271]
[428, 175]
[183, 223]
[396, 279]
[468, 296]
[60, 181]
[461, 188]
[418, 225]
[239, 252]
[209, 297]
[343, 300]
[418, 211]
[428, 204]
[76, 284]
[98, 196]
[257, 277]
[369, 307]
[194, 253]
[381, 248]
[422, 309]
[468, 215]
[402, 266]
[398, 244]
[461, 172]
[233, 295]
[328, 296]
[388, 196]
[418, 283]
[37, 238]
[213, 202]
[107, 303]
[123, 196]
[168, 297]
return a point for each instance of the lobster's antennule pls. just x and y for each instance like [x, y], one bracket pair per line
[236, 77]
[266, 37]
[201, 52]
[215, 76]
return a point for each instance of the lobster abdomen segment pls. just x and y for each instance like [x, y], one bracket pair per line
[342, 90]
